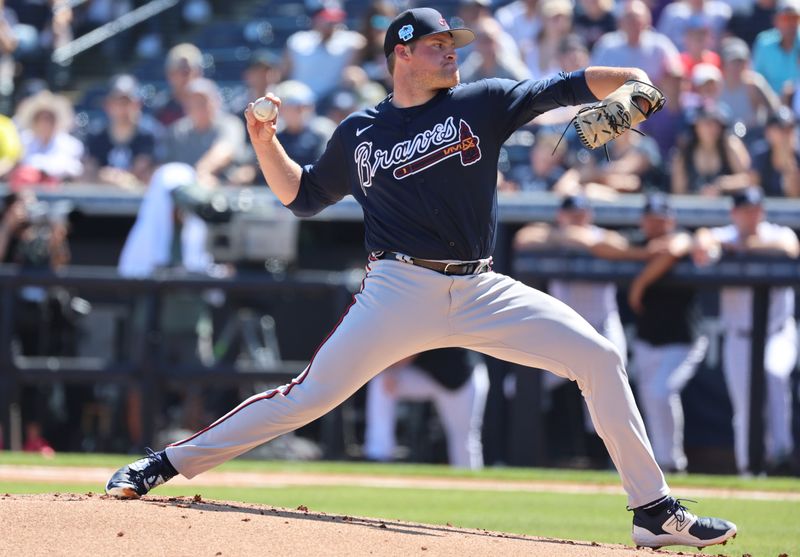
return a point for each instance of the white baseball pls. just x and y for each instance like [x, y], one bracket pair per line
[264, 110]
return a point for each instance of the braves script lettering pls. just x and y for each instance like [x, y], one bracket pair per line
[443, 133]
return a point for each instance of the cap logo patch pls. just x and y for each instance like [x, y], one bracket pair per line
[406, 33]
[442, 22]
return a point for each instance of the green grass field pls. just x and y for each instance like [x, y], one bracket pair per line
[767, 527]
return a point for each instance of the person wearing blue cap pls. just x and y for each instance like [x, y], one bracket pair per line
[422, 164]
[667, 348]
[121, 153]
[751, 233]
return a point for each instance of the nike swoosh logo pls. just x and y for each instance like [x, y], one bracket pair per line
[362, 130]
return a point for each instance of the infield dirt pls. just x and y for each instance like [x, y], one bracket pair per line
[90, 524]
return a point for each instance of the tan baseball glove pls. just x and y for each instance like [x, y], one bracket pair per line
[617, 113]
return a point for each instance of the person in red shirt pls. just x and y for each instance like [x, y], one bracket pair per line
[697, 40]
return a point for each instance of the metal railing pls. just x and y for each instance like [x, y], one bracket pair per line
[63, 54]
[145, 368]
[758, 273]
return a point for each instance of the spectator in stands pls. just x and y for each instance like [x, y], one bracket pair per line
[355, 83]
[635, 43]
[750, 233]
[669, 123]
[207, 138]
[304, 134]
[184, 63]
[667, 348]
[697, 44]
[711, 161]
[45, 26]
[10, 146]
[317, 57]
[50, 154]
[121, 153]
[748, 22]
[677, 17]
[471, 13]
[776, 161]
[262, 74]
[546, 167]
[35, 441]
[776, 50]
[744, 91]
[541, 53]
[520, 19]
[454, 379]
[593, 19]
[8, 70]
[374, 23]
[634, 163]
[706, 86]
[486, 58]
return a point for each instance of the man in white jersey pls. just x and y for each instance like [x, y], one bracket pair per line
[750, 233]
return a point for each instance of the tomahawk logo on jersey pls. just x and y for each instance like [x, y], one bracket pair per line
[427, 149]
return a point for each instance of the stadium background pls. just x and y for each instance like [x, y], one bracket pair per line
[228, 33]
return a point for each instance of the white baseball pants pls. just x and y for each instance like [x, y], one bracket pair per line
[611, 329]
[780, 358]
[402, 310]
[662, 373]
[460, 411]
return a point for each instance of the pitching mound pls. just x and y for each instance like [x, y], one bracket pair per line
[57, 524]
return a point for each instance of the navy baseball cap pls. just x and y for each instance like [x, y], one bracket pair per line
[416, 23]
[575, 203]
[748, 196]
[657, 203]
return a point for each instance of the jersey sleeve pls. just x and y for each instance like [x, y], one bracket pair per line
[522, 101]
[323, 183]
[724, 234]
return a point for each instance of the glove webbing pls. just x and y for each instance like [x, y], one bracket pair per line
[612, 123]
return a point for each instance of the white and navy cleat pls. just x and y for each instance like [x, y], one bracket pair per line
[137, 478]
[675, 525]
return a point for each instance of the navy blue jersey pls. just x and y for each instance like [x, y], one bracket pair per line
[426, 176]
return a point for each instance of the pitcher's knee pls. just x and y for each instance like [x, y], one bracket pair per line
[596, 361]
[606, 356]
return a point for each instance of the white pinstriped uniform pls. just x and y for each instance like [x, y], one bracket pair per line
[780, 355]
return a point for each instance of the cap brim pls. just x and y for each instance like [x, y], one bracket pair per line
[461, 35]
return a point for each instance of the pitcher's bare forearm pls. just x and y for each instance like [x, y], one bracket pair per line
[281, 172]
[603, 80]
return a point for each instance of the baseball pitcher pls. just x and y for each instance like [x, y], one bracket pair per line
[423, 166]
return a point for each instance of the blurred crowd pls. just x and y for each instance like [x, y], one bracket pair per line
[729, 68]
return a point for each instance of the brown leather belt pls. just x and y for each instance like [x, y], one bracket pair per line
[465, 268]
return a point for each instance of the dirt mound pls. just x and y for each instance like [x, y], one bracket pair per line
[91, 524]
